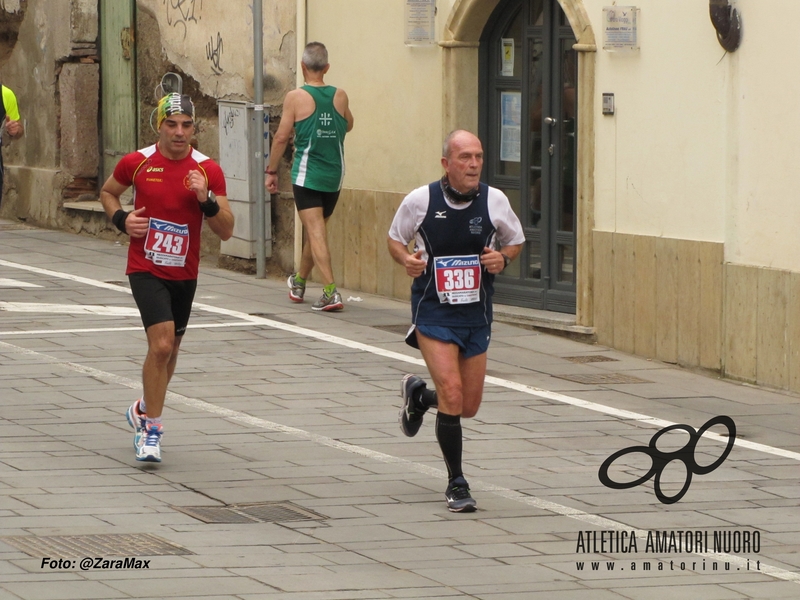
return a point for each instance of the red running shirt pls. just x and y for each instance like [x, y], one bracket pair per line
[171, 248]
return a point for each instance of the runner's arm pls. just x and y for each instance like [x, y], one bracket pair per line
[15, 129]
[222, 222]
[13, 123]
[133, 223]
[280, 142]
[494, 260]
[413, 263]
[216, 208]
[342, 104]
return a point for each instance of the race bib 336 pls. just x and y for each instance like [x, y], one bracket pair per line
[458, 278]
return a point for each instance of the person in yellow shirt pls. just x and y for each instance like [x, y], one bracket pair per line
[10, 122]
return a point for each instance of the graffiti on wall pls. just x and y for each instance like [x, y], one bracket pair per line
[214, 53]
[182, 12]
[228, 120]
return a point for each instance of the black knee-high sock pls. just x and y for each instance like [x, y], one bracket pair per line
[448, 433]
[428, 398]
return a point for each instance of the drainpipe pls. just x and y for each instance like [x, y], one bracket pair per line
[301, 37]
[257, 139]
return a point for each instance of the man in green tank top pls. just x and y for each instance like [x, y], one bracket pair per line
[320, 116]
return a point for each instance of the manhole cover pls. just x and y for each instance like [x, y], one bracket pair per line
[601, 378]
[272, 512]
[401, 329]
[78, 546]
[590, 358]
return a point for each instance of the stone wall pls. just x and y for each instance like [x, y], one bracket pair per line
[54, 72]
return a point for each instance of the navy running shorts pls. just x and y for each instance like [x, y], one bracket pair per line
[471, 341]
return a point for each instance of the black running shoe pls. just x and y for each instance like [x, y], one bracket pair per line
[458, 498]
[410, 416]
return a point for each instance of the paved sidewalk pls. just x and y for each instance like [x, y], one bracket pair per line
[284, 421]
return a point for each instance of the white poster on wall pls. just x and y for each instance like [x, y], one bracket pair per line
[620, 28]
[420, 22]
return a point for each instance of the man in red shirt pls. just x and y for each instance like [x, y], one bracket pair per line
[175, 188]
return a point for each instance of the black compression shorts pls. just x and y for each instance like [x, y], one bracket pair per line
[307, 198]
[163, 300]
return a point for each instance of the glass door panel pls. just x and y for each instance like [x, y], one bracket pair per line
[528, 86]
[536, 141]
[536, 13]
[534, 259]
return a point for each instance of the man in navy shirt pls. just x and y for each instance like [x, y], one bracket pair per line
[464, 233]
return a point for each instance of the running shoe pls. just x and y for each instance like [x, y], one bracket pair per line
[329, 303]
[136, 419]
[410, 416]
[150, 448]
[296, 290]
[458, 498]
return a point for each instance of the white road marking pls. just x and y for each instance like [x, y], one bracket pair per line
[13, 283]
[69, 309]
[509, 494]
[41, 332]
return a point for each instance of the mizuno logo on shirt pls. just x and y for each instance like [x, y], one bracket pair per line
[441, 214]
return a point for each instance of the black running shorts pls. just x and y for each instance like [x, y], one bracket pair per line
[163, 300]
[307, 198]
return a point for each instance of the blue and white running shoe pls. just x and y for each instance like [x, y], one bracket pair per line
[136, 419]
[150, 449]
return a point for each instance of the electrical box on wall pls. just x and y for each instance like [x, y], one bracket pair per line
[236, 123]
[608, 104]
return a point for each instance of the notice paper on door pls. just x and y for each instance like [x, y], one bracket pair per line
[510, 125]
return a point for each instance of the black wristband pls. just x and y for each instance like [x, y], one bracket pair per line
[119, 220]
[210, 207]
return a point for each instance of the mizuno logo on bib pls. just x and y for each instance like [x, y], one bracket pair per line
[458, 279]
[167, 244]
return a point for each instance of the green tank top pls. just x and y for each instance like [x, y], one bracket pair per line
[319, 144]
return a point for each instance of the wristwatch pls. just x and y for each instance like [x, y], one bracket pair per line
[506, 260]
[210, 207]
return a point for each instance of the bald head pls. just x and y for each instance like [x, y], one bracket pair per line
[458, 137]
[462, 160]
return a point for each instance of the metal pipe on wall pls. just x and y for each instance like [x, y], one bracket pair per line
[257, 188]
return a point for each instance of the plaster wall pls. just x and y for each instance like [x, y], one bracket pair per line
[763, 129]
[661, 160]
[212, 42]
[395, 91]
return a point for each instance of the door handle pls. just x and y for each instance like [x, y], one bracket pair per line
[550, 121]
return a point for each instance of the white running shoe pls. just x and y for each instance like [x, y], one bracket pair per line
[150, 448]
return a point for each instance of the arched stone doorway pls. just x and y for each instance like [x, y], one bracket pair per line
[465, 27]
